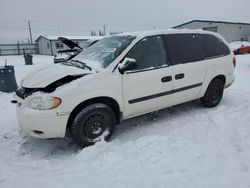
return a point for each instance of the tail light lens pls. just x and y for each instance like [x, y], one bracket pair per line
[234, 61]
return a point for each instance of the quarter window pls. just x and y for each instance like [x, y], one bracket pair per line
[187, 48]
[148, 53]
[214, 47]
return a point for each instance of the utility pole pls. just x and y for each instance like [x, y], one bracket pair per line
[30, 32]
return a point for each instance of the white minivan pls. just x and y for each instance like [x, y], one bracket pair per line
[120, 77]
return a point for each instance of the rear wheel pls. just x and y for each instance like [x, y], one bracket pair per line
[214, 93]
[92, 124]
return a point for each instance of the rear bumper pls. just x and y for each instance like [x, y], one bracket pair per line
[229, 80]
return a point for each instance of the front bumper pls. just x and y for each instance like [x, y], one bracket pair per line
[41, 123]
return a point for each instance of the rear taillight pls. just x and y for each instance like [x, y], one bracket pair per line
[234, 61]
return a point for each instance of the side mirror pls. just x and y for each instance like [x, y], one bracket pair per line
[127, 64]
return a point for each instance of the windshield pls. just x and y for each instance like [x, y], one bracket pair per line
[102, 53]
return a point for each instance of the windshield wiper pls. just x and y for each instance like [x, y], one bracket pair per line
[82, 63]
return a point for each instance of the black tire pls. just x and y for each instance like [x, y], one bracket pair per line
[92, 124]
[214, 93]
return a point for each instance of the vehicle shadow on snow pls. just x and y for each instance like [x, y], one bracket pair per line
[158, 118]
[129, 129]
[175, 117]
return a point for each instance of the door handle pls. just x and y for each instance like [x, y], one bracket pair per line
[179, 76]
[166, 79]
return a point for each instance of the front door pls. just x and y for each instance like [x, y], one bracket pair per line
[148, 87]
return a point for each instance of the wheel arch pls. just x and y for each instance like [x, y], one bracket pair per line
[112, 103]
[207, 99]
[220, 77]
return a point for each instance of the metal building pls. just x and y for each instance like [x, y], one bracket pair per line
[231, 31]
[49, 45]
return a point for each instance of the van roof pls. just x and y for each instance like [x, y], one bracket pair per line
[142, 34]
[166, 31]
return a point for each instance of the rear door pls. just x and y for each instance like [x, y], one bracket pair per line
[148, 87]
[189, 67]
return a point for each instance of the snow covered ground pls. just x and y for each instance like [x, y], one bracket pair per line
[185, 146]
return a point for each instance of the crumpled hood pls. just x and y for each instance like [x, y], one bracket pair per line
[44, 76]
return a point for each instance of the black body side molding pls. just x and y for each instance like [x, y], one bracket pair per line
[163, 93]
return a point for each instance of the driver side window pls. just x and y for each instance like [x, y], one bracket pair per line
[148, 53]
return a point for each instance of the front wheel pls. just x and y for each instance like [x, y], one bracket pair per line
[214, 93]
[94, 123]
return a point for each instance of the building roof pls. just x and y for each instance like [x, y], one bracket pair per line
[71, 37]
[212, 21]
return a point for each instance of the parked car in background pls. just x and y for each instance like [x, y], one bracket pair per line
[124, 76]
[74, 48]
[242, 50]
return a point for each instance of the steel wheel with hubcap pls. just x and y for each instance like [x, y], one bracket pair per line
[214, 93]
[92, 124]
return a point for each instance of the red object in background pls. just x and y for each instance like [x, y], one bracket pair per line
[242, 50]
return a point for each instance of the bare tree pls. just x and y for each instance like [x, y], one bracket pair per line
[101, 33]
[93, 32]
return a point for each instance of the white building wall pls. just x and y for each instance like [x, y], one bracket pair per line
[54, 49]
[231, 32]
[44, 46]
[48, 46]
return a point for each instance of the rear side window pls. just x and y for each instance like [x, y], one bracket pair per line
[214, 47]
[184, 48]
